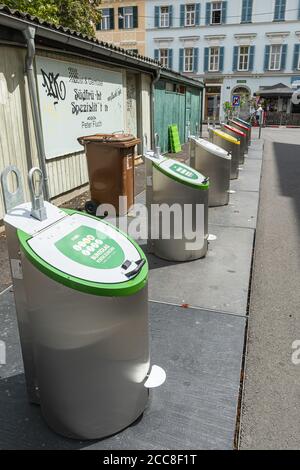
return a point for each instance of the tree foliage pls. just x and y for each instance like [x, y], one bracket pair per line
[80, 15]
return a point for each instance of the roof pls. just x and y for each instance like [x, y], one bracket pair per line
[19, 20]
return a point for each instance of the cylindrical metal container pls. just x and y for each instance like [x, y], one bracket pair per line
[231, 145]
[179, 216]
[241, 136]
[214, 162]
[245, 123]
[86, 289]
[243, 128]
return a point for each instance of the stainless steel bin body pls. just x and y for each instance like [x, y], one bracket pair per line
[214, 162]
[231, 145]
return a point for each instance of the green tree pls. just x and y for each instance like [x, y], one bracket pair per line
[80, 15]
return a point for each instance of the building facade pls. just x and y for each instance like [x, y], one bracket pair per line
[123, 24]
[239, 48]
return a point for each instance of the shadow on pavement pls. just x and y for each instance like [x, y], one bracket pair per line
[288, 164]
[22, 425]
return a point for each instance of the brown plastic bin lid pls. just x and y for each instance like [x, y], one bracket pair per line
[117, 139]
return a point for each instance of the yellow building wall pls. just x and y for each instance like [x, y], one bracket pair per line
[125, 38]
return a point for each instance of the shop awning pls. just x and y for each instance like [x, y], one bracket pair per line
[275, 90]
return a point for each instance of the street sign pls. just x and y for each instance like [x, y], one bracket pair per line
[236, 101]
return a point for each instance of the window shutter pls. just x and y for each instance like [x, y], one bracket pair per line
[196, 59]
[181, 54]
[156, 54]
[224, 12]
[267, 57]
[250, 8]
[135, 17]
[182, 15]
[111, 18]
[120, 20]
[156, 17]
[206, 58]
[170, 16]
[251, 58]
[235, 58]
[197, 14]
[296, 56]
[283, 56]
[244, 11]
[207, 13]
[299, 11]
[170, 58]
[221, 59]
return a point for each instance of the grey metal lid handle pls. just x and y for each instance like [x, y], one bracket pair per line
[38, 210]
[11, 199]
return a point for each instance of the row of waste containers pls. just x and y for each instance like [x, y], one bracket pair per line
[81, 285]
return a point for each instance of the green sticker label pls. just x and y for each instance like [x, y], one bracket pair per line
[183, 171]
[92, 248]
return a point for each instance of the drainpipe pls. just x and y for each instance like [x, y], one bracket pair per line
[152, 104]
[29, 34]
[149, 169]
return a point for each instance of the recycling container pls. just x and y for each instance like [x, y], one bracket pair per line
[215, 163]
[242, 128]
[177, 186]
[241, 136]
[85, 298]
[231, 145]
[245, 123]
[110, 162]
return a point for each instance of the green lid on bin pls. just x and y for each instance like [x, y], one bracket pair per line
[87, 254]
[182, 173]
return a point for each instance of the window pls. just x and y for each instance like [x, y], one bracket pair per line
[133, 51]
[128, 17]
[190, 15]
[188, 59]
[275, 57]
[163, 57]
[247, 11]
[164, 17]
[214, 59]
[105, 19]
[243, 62]
[279, 12]
[216, 13]
[298, 62]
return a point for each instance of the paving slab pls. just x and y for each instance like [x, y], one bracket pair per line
[249, 176]
[195, 408]
[218, 282]
[240, 212]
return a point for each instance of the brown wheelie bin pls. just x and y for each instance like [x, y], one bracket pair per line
[110, 161]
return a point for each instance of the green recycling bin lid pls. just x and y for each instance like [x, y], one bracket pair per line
[87, 254]
[182, 173]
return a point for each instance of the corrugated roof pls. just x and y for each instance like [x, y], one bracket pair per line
[34, 20]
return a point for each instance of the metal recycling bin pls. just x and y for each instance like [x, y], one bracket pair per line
[231, 145]
[81, 293]
[214, 162]
[110, 162]
[175, 183]
[241, 136]
[245, 123]
[242, 128]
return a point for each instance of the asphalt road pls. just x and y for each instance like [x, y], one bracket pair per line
[270, 412]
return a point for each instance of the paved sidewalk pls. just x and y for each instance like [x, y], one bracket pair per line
[200, 347]
[271, 404]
